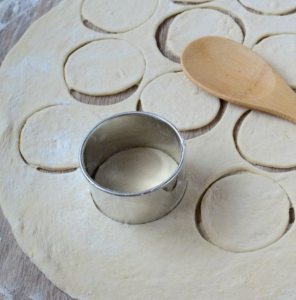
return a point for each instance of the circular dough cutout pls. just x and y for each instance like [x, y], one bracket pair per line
[244, 212]
[118, 15]
[268, 140]
[135, 170]
[272, 7]
[194, 24]
[104, 67]
[175, 98]
[51, 138]
[280, 52]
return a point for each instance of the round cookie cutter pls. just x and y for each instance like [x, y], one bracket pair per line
[131, 130]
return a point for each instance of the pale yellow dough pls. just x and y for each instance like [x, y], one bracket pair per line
[104, 67]
[272, 7]
[118, 15]
[193, 24]
[51, 138]
[178, 100]
[53, 216]
[244, 212]
[279, 51]
[135, 170]
[267, 140]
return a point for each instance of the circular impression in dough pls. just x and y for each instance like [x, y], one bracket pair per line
[181, 102]
[244, 212]
[272, 7]
[51, 138]
[135, 170]
[193, 24]
[268, 140]
[280, 52]
[104, 67]
[119, 15]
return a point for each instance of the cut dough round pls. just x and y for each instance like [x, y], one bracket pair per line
[272, 7]
[135, 170]
[104, 67]
[51, 137]
[193, 24]
[245, 212]
[279, 51]
[268, 140]
[119, 15]
[177, 99]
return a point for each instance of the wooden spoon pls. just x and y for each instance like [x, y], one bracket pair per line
[231, 71]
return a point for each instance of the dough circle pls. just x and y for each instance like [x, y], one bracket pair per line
[119, 15]
[268, 140]
[104, 67]
[244, 212]
[193, 24]
[178, 100]
[50, 139]
[272, 7]
[135, 170]
[279, 51]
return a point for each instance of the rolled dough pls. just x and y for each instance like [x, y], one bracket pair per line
[51, 137]
[54, 219]
[244, 212]
[135, 170]
[177, 99]
[272, 7]
[118, 15]
[267, 140]
[279, 51]
[104, 67]
[193, 24]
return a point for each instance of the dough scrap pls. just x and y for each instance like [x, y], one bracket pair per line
[279, 51]
[272, 7]
[118, 15]
[104, 67]
[51, 138]
[175, 98]
[193, 24]
[268, 140]
[245, 212]
[135, 170]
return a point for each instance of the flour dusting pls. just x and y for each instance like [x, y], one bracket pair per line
[35, 297]
[10, 10]
[8, 292]
[4, 292]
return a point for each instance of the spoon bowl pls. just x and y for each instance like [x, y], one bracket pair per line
[233, 72]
